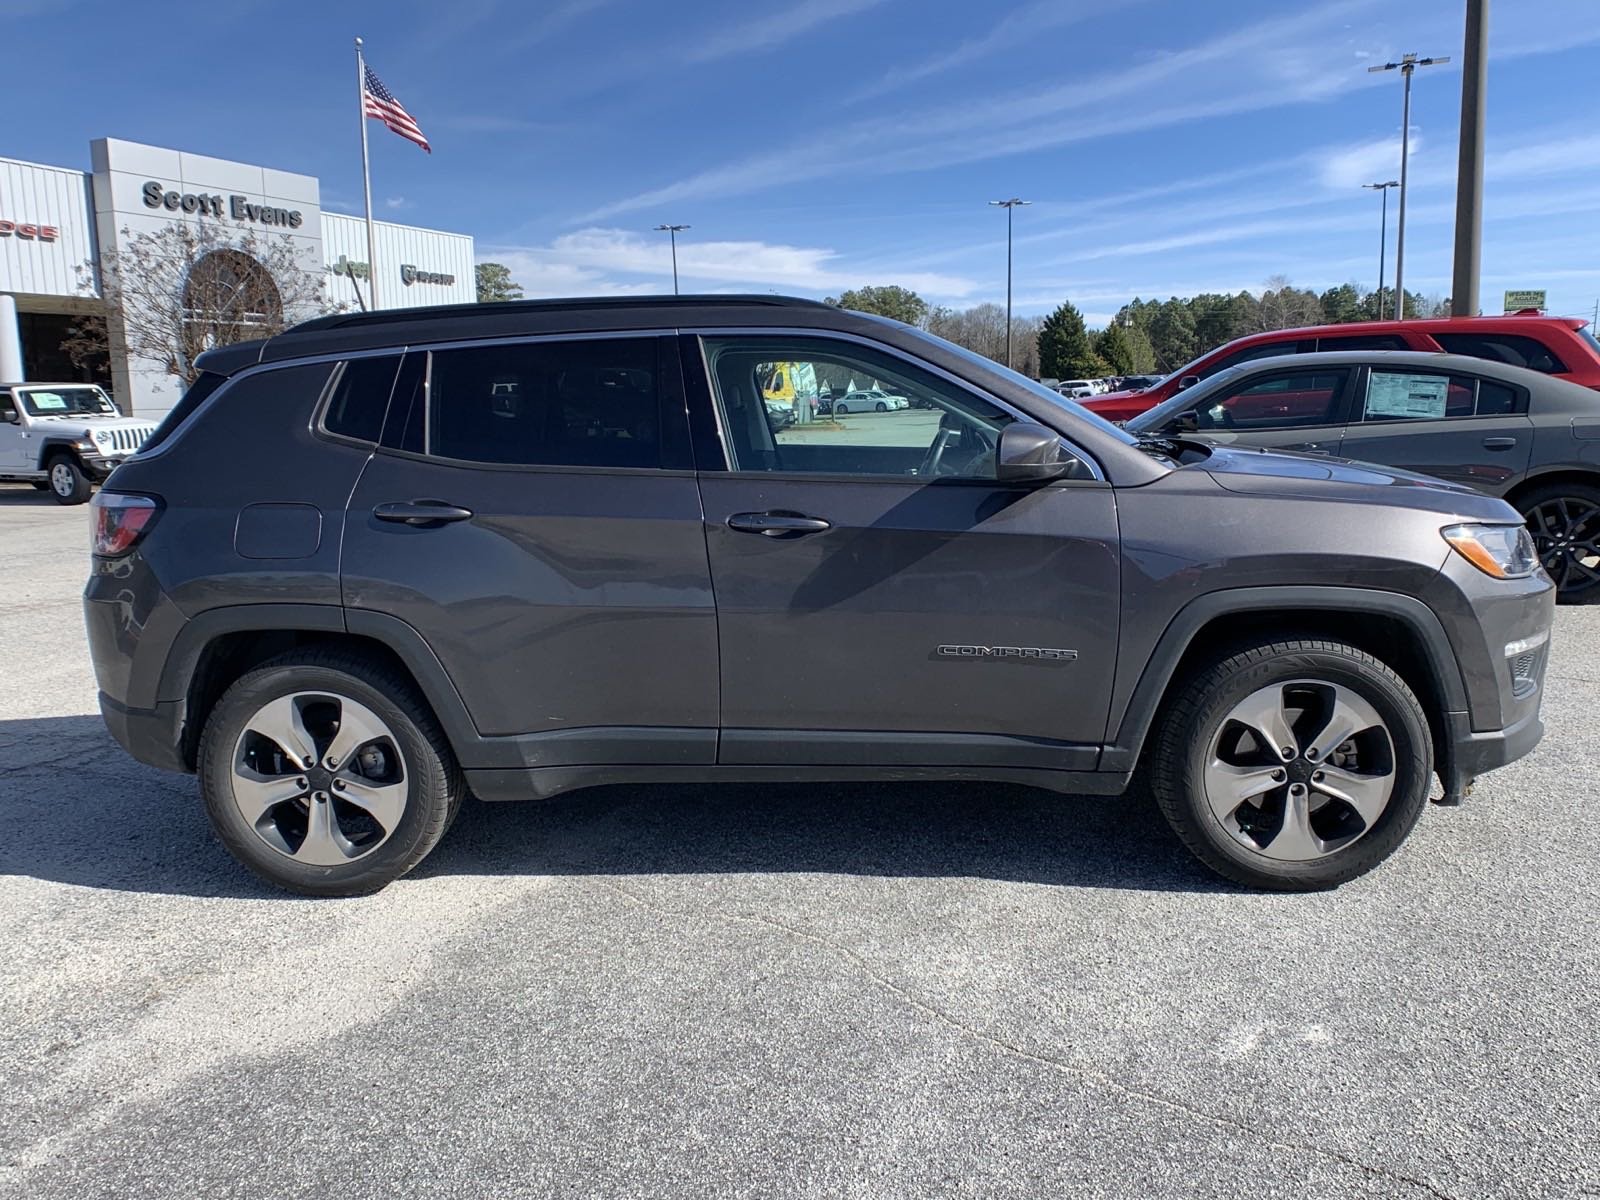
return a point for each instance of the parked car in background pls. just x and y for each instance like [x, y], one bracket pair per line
[63, 437]
[484, 548]
[1560, 346]
[1075, 389]
[869, 400]
[1529, 438]
[1137, 383]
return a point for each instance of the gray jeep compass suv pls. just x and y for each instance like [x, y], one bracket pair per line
[379, 561]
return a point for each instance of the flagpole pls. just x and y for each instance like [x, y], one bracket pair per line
[366, 176]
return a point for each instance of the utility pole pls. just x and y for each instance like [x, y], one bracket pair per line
[1383, 232]
[1464, 280]
[1008, 205]
[672, 232]
[1407, 66]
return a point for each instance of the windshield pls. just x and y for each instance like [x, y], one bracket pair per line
[66, 402]
[1055, 399]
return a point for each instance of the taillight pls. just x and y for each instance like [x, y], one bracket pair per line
[120, 521]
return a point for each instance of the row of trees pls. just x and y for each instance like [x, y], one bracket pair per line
[1145, 336]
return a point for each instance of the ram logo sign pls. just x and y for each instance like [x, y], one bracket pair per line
[1016, 653]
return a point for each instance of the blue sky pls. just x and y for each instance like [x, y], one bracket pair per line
[1169, 146]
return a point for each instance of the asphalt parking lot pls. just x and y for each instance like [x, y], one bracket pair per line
[800, 991]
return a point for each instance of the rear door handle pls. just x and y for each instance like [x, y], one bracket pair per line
[1499, 443]
[777, 524]
[421, 512]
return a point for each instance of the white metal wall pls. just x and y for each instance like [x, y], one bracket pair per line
[426, 250]
[43, 195]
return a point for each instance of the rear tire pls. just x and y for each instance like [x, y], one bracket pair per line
[66, 479]
[1564, 519]
[1260, 816]
[839, 410]
[334, 832]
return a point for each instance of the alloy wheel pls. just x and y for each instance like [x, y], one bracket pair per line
[1566, 536]
[1299, 771]
[319, 778]
[61, 479]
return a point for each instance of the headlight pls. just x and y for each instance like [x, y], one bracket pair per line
[1504, 551]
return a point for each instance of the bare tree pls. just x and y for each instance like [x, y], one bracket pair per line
[191, 286]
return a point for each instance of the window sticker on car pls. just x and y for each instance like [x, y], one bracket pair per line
[47, 401]
[1391, 395]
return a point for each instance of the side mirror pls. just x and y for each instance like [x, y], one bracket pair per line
[13, 416]
[1029, 453]
[1185, 422]
[1188, 381]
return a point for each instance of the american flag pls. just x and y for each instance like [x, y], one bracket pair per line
[379, 102]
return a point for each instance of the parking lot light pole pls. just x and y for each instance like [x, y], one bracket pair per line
[1383, 233]
[1407, 67]
[1008, 205]
[672, 232]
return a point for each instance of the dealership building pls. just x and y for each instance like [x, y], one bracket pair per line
[57, 223]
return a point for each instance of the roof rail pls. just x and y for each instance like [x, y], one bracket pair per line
[511, 307]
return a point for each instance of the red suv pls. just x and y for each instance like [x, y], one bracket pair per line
[1559, 346]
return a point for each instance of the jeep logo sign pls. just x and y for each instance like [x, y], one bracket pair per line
[239, 207]
[410, 275]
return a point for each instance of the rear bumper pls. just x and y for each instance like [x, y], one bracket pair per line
[154, 736]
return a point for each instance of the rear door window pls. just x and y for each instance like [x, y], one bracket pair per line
[1514, 349]
[1434, 396]
[1362, 341]
[589, 402]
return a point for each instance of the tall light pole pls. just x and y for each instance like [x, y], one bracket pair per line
[1383, 233]
[1464, 280]
[672, 232]
[1407, 67]
[1008, 205]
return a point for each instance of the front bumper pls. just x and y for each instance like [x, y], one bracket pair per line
[1468, 754]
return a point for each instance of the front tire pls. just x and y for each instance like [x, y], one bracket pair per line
[1564, 519]
[326, 774]
[882, 407]
[1294, 765]
[67, 481]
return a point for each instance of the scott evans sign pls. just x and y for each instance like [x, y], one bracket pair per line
[28, 231]
[239, 207]
[410, 275]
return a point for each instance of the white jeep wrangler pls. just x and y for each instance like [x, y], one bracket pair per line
[64, 437]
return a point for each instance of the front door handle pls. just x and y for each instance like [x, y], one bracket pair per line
[777, 524]
[421, 513]
[1499, 443]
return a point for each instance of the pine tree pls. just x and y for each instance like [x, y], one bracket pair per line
[1065, 351]
[1112, 345]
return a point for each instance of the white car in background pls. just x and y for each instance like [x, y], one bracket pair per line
[869, 400]
[1076, 389]
[64, 437]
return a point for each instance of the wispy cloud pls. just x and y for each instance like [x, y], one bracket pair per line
[774, 29]
[601, 261]
[396, 202]
[1013, 29]
[1231, 73]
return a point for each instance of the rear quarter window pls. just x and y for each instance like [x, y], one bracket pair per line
[1514, 349]
[360, 397]
[199, 392]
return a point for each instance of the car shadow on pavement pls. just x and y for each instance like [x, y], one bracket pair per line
[26, 497]
[75, 809]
